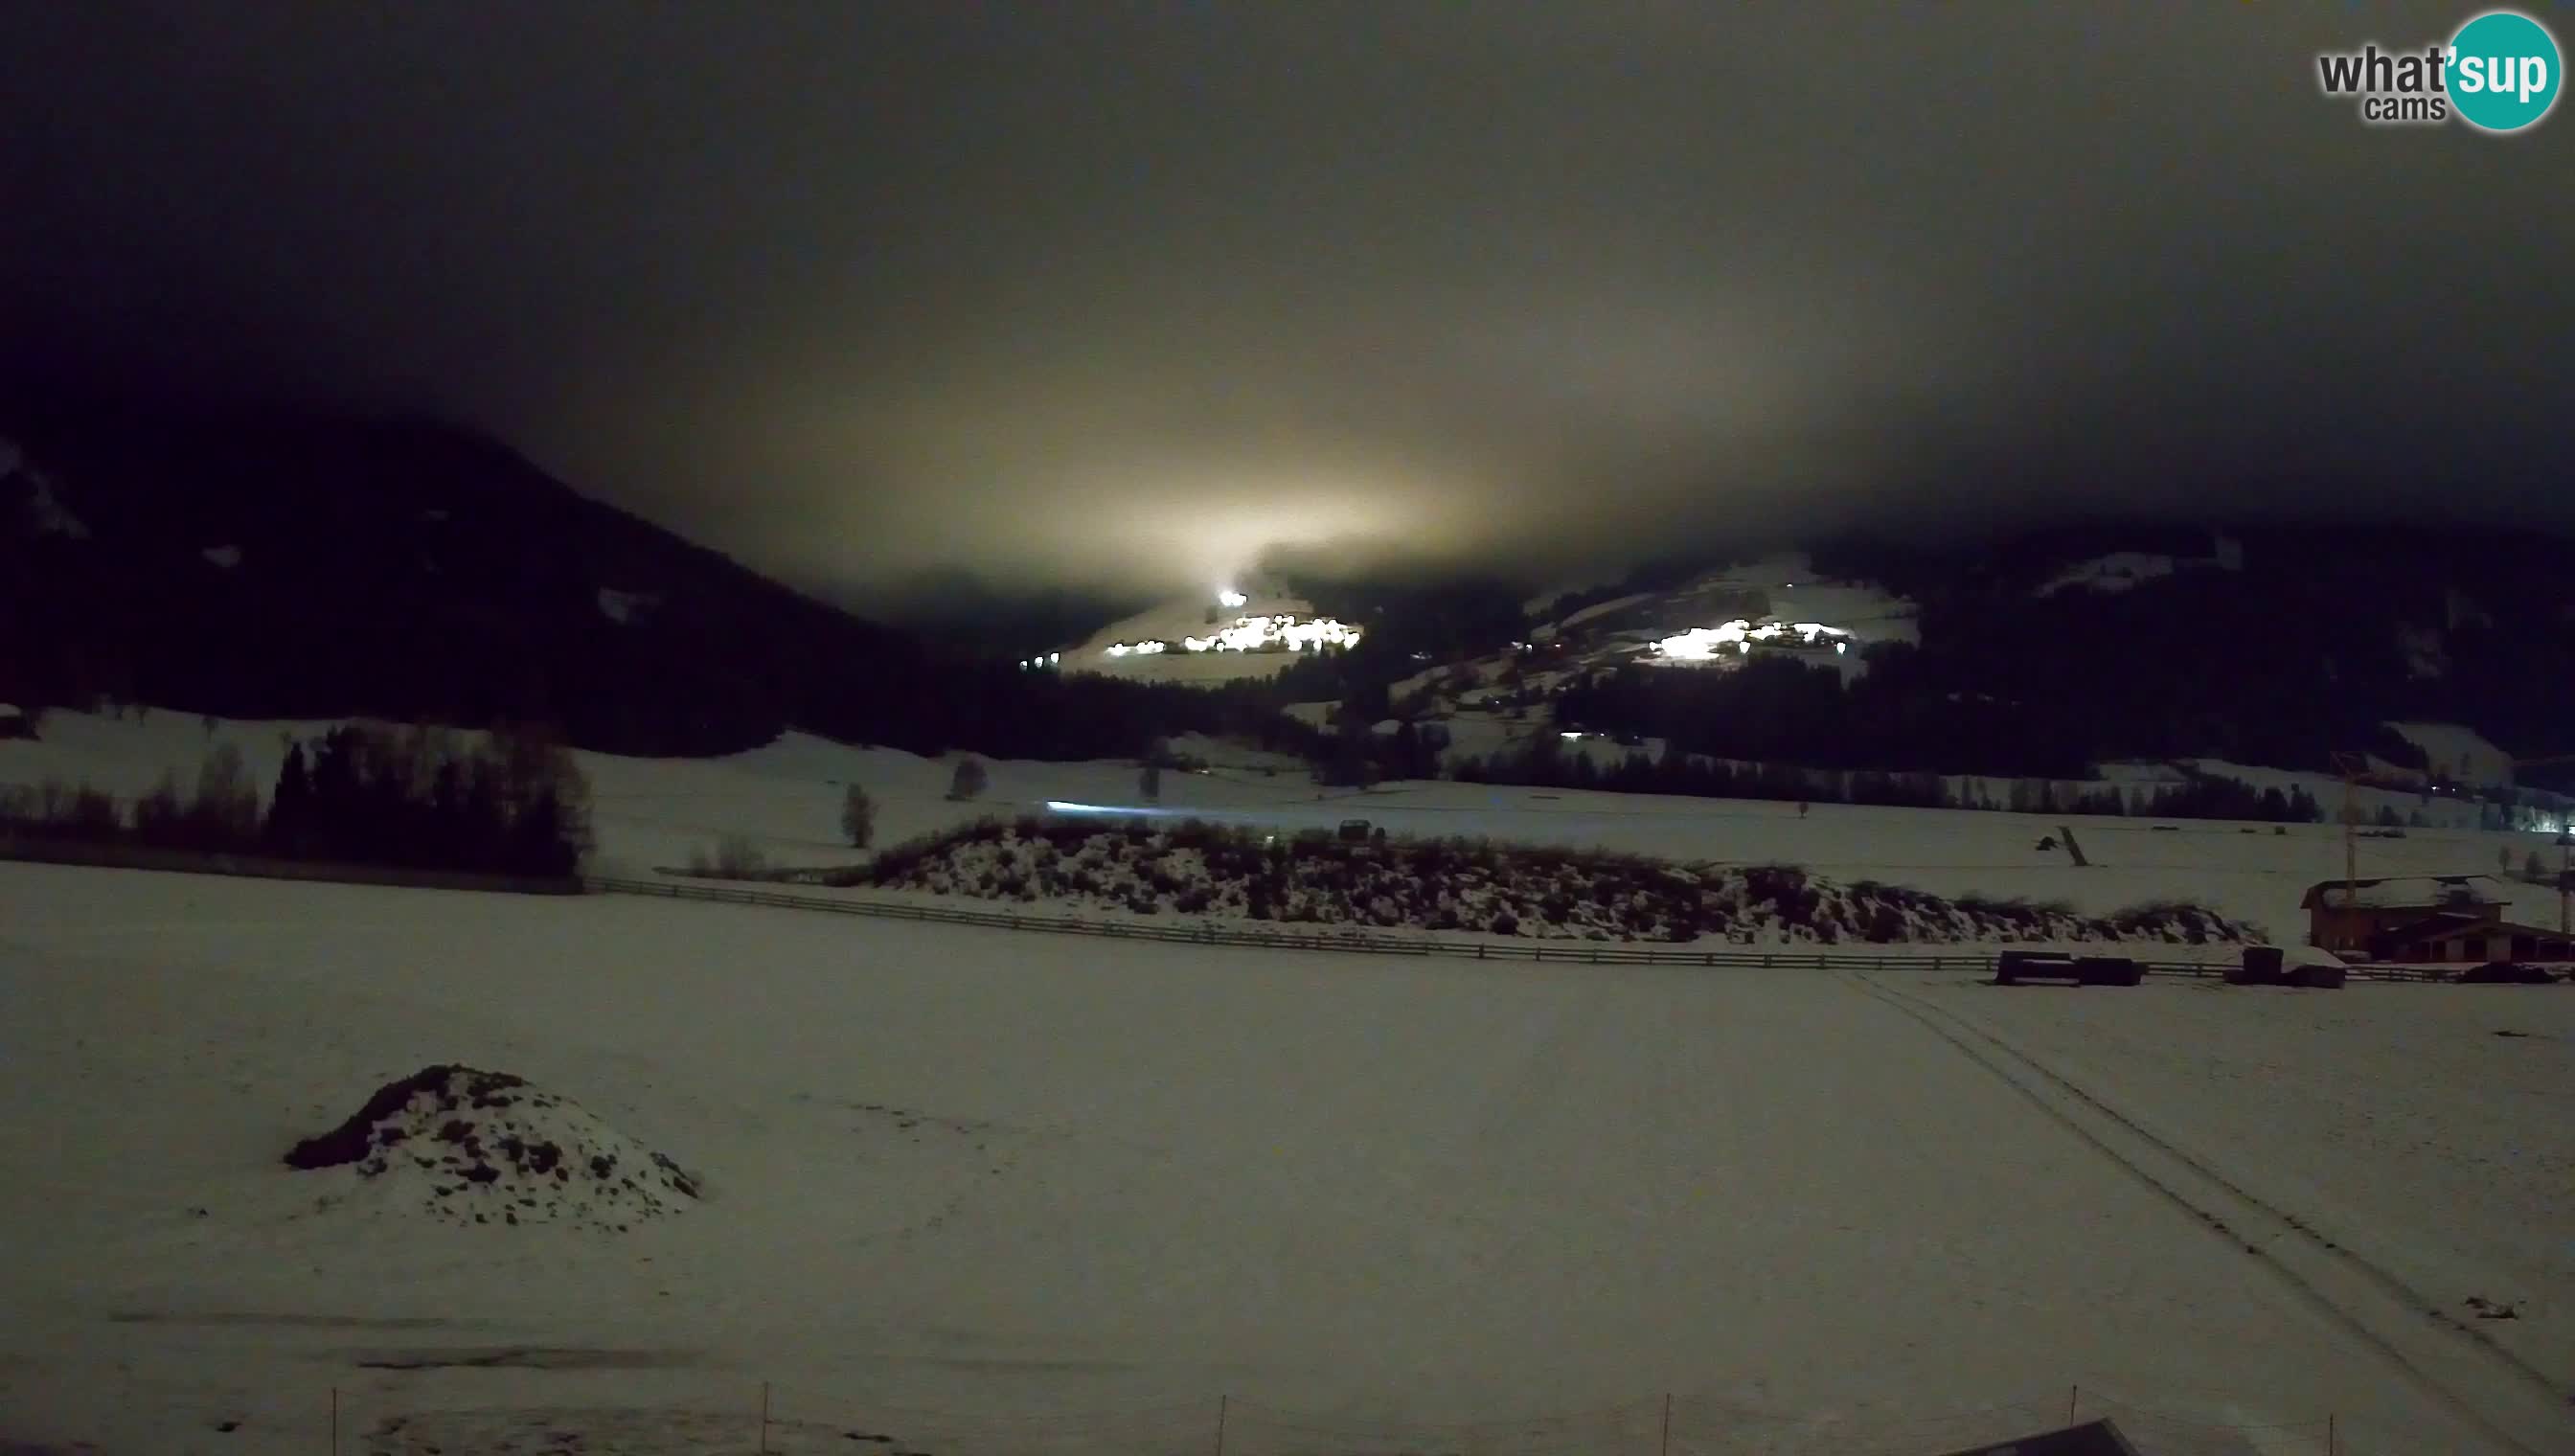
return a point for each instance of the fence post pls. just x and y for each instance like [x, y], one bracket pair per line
[2073, 1395]
[1221, 1402]
[763, 1419]
[1667, 1448]
[2329, 1434]
[335, 1421]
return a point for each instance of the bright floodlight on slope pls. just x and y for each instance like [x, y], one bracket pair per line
[1230, 597]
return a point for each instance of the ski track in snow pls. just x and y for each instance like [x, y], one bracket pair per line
[2405, 1324]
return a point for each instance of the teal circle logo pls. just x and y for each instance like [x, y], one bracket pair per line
[2503, 71]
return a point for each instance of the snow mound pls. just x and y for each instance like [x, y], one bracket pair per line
[487, 1147]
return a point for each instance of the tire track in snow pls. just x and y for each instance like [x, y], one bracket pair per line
[2333, 1262]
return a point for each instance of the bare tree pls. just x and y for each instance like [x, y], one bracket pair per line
[858, 817]
[737, 857]
[226, 810]
[1148, 781]
[160, 816]
[970, 779]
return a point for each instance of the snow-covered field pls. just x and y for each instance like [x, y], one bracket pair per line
[785, 798]
[972, 1190]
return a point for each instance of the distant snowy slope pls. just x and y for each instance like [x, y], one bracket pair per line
[1596, 610]
[1868, 612]
[2123, 571]
[1256, 632]
[2459, 753]
[2116, 571]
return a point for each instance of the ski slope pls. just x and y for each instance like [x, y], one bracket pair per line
[963, 1187]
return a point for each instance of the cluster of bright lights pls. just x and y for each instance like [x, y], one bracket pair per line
[1706, 644]
[1041, 660]
[1256, 634]
[1252, 635]
[1230, 597]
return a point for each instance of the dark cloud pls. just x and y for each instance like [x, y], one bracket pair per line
[1108, 294]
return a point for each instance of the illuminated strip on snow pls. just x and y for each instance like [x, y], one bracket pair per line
[1067, 806]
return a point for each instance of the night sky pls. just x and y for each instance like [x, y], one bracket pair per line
[1072, 294]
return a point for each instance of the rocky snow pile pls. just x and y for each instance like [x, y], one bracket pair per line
[485, 1147]
[1194, 868]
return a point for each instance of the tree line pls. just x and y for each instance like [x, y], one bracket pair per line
[510, 803]
[1544, 763]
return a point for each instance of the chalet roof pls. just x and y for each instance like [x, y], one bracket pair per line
[2405, 893]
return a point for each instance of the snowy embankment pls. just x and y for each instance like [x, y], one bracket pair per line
[1192, 868]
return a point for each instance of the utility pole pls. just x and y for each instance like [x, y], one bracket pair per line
[2352, 766]
[2565, 879]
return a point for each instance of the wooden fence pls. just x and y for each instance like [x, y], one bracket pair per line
[96, 854]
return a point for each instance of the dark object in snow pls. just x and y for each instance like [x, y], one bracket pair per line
[2489, 1309]
[2506, 973]
[2318, 977]
[2262, 965]
[2046, 842]
[2108, 970]
[2092, 1438]
[1355, 831]
[2073, 847]
[2512, 1033]
[355, 1139]
[227, 1426]
[2025, 968]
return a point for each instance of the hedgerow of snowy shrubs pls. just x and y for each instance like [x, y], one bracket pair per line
[1192, 868]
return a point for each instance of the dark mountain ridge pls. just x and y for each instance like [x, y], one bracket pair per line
[261, 563]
